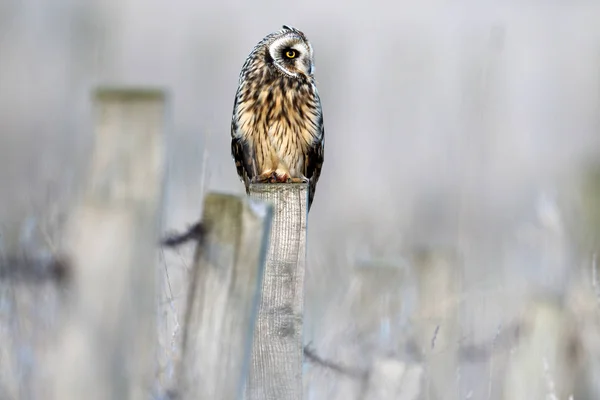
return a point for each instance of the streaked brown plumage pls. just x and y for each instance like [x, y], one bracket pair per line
[277, 132]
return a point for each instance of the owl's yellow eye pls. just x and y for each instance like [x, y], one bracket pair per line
[290, 54]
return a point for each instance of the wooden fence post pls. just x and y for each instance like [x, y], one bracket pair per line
[277, 353]
[543, 364]
[223, 297]
[377, 300]
[436, 320]
[106, 347]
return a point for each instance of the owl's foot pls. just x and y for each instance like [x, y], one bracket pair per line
[266, 177]
[277, 178]
[283, 176]
[274, 177]
[286, 178]
[299, 180]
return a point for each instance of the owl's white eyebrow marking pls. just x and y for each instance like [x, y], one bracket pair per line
[286, 40]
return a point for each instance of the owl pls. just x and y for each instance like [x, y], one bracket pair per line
[277, 132]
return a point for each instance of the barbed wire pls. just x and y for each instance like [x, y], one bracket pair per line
[35, 269]
[311, 355]
[195, 232]
[503, 339]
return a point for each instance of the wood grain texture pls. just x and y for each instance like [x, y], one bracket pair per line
[106, 349]
[223, 298]
[277, 354]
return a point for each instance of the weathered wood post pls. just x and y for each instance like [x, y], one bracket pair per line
[277, 353]
[224, 290]
[590, 301]
[377, 298]
[558, 350]
[106, 346]
[543, 364]
[436, 320]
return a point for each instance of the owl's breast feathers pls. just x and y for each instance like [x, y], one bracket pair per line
[277, 129]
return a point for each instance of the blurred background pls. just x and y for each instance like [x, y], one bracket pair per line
[467, 132]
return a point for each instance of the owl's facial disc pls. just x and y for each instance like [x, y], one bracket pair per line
[292, 55]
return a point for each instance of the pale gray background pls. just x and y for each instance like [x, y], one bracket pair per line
[460, 125]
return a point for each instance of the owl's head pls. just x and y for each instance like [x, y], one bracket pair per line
[290, 53]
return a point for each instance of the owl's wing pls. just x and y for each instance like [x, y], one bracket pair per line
[239, 152]
[313, 161]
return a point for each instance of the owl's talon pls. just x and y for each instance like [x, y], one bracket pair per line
[263, 178]
[281, 178]
[300, 180]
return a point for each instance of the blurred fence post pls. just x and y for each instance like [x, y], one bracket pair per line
[378, 306]
[590, 243]
[392, 379]
[277, 353]
[543, 366]
[436, 321]
[223, 296]
[106, 347]
[590, 210]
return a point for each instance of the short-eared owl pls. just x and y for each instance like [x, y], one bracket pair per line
[277, 132]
